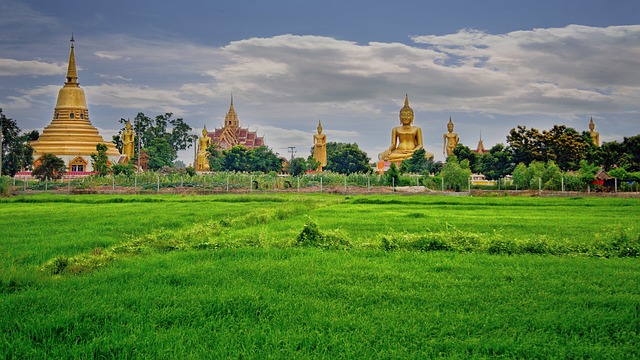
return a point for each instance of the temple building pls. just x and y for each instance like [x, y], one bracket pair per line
[70, 135]
[232, 134]
[480, 149]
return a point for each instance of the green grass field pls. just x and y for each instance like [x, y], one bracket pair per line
[318, 276]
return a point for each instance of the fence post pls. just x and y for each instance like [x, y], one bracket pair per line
[69, 184]
[469, 184]
[615, 181]
[158, 183]
[113, 183]
[135, 183]
[182, 182]
[251, 183]
[227, 182]
[46, 183]
[540, 185]
[563, 184]
[393, 183]
[298, 183]
[368, 184]
[275, 182]
[442, 180]
[345, 183]
[25, 183]
[320, 183]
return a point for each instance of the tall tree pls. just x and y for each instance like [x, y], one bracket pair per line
[174, 131]
[456, 174]
[264, 160]
[160, 153]
[416, 164]
[525, 144]
[346, 158]
[17, 154]
[497, 163]
[463, 152]
[50, 167]
[100, 160]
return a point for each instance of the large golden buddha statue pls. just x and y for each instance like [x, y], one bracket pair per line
[451, 140]
[595, 136]
[320, 147]
[405, 139]
[202, 159]
[127, 141]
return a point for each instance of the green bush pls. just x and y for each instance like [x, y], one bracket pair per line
[5, 186]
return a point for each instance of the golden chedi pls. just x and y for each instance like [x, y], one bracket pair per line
[320, 147]
[70, 135]
[405, 139]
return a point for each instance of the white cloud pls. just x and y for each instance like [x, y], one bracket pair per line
[12, 67]
[138, 97]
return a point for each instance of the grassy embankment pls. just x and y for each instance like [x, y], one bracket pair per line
[222, 276]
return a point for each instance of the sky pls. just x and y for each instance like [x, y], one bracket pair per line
[489, 65]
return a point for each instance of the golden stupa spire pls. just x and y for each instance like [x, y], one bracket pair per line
[72, 72]
[231, 120]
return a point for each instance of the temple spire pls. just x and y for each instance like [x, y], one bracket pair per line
[72, 73]
[406, 100]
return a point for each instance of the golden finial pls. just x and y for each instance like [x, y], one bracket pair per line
[72, 73]
[319, 128]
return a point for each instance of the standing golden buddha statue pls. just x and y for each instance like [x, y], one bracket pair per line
[202, 159]
[595, 136]
[405, 139]
[451, 140]
[320, 147]
[128, 137]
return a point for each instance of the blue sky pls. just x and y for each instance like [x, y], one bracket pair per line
[490, 65]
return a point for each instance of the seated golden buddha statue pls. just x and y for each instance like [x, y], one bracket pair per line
[405, 139]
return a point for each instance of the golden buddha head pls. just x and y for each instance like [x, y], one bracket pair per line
[450, 125]
[406, 113]
[592, 125]
[319, 127]
[128, 125]
[204, 131]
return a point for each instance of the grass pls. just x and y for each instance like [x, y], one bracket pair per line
[238, 276]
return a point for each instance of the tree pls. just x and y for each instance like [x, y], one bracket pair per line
[497, 163]
[524, 144]
[392, 175]
[235, 159]
[263, 159]
[17, 154]
[346, 158]
[51, 167]
[564, 146]
[587, 172]
[416, 164]
[174, 131]
[160, 153]
[520, 177]
[100, 160]
[118, 169]
[463, 152]
[298, 166]
[625, 155]
[456, 174]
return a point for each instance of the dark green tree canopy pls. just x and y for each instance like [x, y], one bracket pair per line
[240, 159]
[346, 158]
[17, 154]
[99, 160]
[174, 131]
[51, 167]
